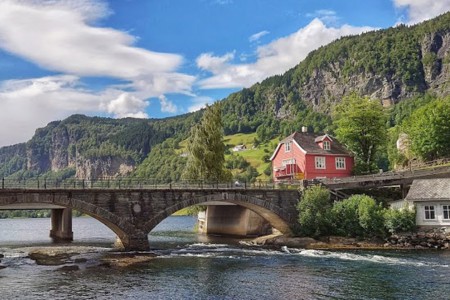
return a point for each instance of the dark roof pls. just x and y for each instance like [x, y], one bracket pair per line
[308, 143]
[429, 190]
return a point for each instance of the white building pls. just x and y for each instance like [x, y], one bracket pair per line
[432, 200]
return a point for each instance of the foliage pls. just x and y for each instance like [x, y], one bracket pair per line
[358, 216]
[206, 148]
[361, 127]
[163, 163]
[314, 208]
[400, 220]
[429, 130]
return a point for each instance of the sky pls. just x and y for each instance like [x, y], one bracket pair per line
[161, 58]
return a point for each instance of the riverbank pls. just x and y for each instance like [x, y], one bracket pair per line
[431, 239]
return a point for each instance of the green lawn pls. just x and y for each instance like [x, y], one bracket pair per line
[254, 155]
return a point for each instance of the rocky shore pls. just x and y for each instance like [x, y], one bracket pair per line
[431, 239]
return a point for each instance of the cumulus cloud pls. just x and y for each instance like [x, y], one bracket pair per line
[325, 15]
[56, 37]
[421, 10]
[273, 58]
[127, 105]
[255, 37]
[32, 103]
[62, 36]
[199, 103]
[167, 105]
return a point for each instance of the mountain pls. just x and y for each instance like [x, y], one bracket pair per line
[391, 65]
[90, 147]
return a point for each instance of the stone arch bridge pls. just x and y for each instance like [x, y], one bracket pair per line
[132, 213]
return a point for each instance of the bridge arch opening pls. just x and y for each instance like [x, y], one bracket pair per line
[103, 216]
[265, 209]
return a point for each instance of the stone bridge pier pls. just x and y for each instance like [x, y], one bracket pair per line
[132, 213]
[61, 224]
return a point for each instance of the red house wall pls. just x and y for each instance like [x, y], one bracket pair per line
[295, 153]
[330, 170]
[307, 165]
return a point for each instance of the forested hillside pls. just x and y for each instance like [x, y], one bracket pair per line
[390, 65]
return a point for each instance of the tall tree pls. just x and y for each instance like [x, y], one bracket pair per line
[429, 130]
[206, 148]
[361, 127]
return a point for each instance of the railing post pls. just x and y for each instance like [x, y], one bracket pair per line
[245, 184]
[82, 182]
[3, 183]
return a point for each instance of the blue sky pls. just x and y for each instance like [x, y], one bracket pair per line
[160, 58]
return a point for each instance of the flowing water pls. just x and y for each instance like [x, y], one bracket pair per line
[189, 266]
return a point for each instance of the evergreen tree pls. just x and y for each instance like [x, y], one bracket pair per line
[206, 148]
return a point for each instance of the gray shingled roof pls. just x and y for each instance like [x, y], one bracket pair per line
[429, 190]
[308, 142]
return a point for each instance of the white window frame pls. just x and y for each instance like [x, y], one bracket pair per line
[446, 209]
[340, 163]
[326, 145]
[429, 212]
[287, 147]
[290, 161]
[320, 162]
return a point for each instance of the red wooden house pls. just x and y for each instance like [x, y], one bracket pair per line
[304, 155]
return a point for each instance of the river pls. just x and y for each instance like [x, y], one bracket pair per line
[189, 266]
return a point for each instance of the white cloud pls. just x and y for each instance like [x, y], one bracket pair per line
[127, 105]
[167, 105]
[325, 15]
[273, 58]
[32, 103]
[255, 37]
[58, 38]
[209, 62]
[199, 103]
[421, 10]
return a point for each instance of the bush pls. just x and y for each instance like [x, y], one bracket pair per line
[400, 220]
[358, 216]
[314, 212]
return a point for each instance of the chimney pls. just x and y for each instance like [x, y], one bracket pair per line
[304, 129]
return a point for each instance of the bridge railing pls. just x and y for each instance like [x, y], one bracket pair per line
[136, 183]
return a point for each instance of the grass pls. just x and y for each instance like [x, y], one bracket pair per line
[254, 155]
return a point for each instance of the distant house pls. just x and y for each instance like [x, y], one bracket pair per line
[304, 155]
[238, 148]
[432, 200]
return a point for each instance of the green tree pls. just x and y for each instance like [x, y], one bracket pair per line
[206, 148]
[314, 211]
[361, 127]
[429, 130]
[358, 216]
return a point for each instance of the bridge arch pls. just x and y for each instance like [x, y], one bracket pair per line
[276, 216]
[123, 230]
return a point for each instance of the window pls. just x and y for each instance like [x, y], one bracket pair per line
[287, 146]
[340, 163]
[286, 162]
[446, 212]
[326, 145]
[320, 162]
[429, 212]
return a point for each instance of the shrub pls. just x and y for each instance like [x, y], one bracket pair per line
[314, 212]
[358, 216]
[400, 220]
